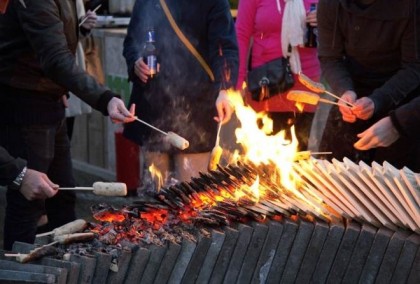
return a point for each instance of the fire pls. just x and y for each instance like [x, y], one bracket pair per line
[260, 146]
[156, 176]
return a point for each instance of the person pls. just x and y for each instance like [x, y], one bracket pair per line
[403, 122]
[75, 106]
[369, 54]
[260, 28]
[31, 183]
[181, 97]
[38, 40]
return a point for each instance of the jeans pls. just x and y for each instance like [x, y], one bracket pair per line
[46, 149]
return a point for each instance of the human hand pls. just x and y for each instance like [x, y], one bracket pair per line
[311, 19]
[363, 108]
[37, 185]
[142, 70]
[119, 113]
[346, 112]
[89, 20]
[224, 107]
[65, 101]
[380, 134]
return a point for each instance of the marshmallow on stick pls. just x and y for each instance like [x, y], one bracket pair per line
[173, 138]
[103, 188]
[69, 228]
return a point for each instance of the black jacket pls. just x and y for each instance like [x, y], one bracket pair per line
[374, 51]
[406, 119]
[181, 98]
[37, 45]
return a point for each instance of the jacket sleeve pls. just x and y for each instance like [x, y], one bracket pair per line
[10, 167]
[133, 42]
[43, 26]
[244, 29]
[331, 47]
[406, 119]
[406, 80]
[223, 47]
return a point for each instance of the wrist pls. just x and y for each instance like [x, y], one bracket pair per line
[17, 183]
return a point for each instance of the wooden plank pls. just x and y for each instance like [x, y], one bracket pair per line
[370, 211]
[409, 178]
[325, 188]
[380, 210]
[341, 192]
[380, 179]
[365, 174]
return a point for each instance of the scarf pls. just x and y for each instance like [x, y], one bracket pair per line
[293, 32]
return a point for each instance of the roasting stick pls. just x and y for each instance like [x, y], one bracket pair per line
[173, 138]
[318, 87]
[103, 188]
[85, 18]
[309, 98]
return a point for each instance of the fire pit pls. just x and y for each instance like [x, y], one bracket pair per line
[202, 231]
[276, 217]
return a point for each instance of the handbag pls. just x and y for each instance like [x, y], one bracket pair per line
[270, 79]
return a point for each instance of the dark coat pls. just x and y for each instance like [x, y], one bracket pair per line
[406, 119]
[37, 54]
[373, 51]
[181, 98]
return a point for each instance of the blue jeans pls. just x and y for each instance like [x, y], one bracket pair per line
[46, 149]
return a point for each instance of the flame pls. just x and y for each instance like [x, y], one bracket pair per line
[259, 144]
[157, 176]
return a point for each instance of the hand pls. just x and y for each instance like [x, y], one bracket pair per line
[311, 19]
[142, 70]
[90, 21]
[363, 108]
[36, 185]
[346, 112]
[224, 107]
[65, 101]
[119, 113]
[380, 134]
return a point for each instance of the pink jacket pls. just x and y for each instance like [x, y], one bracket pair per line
[262, 20]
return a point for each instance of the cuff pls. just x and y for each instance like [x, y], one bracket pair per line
[104, 101]
[396, 123]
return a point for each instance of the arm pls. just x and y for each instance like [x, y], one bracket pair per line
[33, 184]
[331, 48]
[223, 54]
[244, 30]
[41, 23]
[404, 121]
[403, 82]
[133, 41]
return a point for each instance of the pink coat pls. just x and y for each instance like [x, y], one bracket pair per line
[261, 20]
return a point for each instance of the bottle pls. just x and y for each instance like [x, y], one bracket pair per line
[150, 52]
[311, 37]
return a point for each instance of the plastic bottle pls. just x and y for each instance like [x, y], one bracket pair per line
[311, 36]
[150, 52]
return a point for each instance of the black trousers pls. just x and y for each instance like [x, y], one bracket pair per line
[46, 149]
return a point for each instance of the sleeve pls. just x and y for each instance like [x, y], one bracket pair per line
[331, 48]
[41, 22]
[223, 47]
[132, 44]
[406, 119]
[244, 29]
[10, 167]
[407, 79]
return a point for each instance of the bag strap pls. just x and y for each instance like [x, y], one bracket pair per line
[185, 41]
